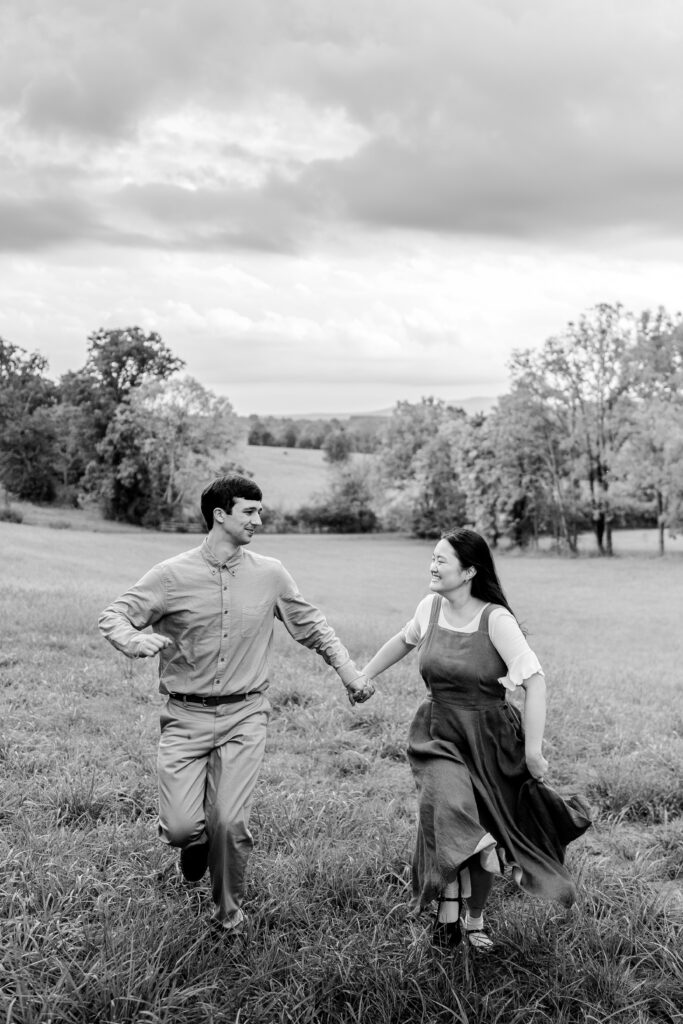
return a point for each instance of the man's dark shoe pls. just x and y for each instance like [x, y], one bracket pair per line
[193, 861]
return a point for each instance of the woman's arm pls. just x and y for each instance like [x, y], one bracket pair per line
[534, 724]
[391, 652]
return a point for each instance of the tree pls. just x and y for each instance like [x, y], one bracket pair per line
[656, 361]
[440, 501]
[337, 447]
[164, 442]
[72, 448]
[408, 429]
[118, 362]
[651, 460]
[26, 434]
[420, 466]
[27, 456]
[312, 433]
[536, 462]
[347, 507]
[480, 476]
[582, 377]
[120, 359]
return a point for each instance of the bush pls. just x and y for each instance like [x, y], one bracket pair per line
[10, 515]
[275, 520]
[331, 518]
[346, 508]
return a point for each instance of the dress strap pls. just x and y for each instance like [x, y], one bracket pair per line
[435, 609]
[484, 620]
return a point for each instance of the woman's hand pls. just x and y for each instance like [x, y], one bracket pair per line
[361, 689]
[537, 764]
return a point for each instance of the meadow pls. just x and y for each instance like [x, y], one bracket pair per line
[290, 476]
[96, 925]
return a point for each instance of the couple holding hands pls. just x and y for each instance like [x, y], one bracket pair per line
[483, 808]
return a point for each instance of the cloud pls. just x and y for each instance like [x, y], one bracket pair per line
[266, 124]
[377, 193]
[37, 225]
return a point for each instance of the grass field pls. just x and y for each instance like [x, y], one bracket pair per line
[97, 927]
[289, 476]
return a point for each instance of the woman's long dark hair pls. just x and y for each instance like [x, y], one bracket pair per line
[474, 553]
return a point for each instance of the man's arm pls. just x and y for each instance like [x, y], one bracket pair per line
[122, 622]
[306, 624]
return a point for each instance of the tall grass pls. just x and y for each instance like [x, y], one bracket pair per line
[96, 925]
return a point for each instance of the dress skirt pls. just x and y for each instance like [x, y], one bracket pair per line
[476, 799]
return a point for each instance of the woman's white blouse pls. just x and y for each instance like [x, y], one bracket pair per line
[504, 633]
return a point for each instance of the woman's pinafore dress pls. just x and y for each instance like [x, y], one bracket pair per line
[466, 752]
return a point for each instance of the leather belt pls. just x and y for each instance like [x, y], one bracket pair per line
[211, 702]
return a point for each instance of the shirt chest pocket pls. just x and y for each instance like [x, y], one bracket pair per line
[256, 618]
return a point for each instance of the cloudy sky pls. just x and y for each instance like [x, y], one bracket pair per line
[331, 206]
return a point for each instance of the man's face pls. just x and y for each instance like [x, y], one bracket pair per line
[239, 525]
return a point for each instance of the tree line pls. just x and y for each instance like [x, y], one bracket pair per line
[589, 436]
[127, 430]
[355, 433]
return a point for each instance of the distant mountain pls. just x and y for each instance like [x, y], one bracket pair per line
[471, 406]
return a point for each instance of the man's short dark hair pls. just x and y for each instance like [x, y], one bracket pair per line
[222, 492]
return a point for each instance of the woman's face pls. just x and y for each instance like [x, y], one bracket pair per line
[447, 574]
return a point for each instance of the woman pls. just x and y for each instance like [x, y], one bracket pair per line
[473, 760]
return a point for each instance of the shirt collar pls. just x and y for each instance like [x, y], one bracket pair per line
[232, 562]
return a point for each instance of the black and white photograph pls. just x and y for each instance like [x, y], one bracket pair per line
[341, 512]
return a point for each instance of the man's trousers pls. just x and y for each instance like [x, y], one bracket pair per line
[208, 763]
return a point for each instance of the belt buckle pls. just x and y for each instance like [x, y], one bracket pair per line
[204, 704]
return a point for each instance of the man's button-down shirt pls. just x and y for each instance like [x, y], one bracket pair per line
[220, 618]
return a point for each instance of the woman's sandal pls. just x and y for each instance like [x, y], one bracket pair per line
[478, 938]
[447, 934]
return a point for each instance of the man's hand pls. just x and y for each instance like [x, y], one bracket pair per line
[151, 643]
[361, 689]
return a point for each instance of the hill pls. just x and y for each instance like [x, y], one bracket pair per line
[288, 477]
[477, 404]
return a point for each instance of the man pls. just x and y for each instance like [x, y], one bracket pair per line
[212, 610]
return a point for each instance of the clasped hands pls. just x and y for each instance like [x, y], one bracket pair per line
[359, 690]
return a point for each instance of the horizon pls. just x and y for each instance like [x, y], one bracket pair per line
[471, 404]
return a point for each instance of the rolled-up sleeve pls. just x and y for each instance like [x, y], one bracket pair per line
[306, 624]
[122, 622]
